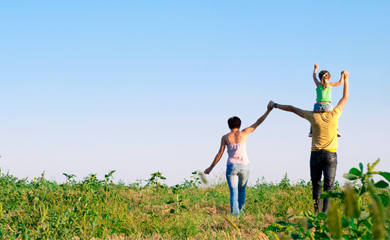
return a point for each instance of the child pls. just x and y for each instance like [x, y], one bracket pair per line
[324, 92]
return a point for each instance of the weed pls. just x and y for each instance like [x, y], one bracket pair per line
[101, 209]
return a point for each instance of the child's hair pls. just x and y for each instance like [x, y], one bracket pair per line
[323, 76]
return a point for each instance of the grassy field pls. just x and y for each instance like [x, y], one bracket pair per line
[100, 209]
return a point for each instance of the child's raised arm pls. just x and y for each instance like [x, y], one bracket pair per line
[335, 84]
[315, 75]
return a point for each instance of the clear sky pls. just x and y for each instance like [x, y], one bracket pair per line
[145, 86]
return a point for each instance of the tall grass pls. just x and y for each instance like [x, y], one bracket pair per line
[102, 209]
[360, 210]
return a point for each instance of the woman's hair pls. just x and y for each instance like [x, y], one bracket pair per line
[323, 76]
[234, 122]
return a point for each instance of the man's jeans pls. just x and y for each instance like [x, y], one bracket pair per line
[323, 162]
[237, 177]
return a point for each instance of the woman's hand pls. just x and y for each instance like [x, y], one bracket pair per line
[208, 170]
[315, 67]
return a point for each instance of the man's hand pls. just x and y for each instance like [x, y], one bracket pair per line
[270, 105]
[346, 73]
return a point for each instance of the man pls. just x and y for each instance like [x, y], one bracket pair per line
[323, 158]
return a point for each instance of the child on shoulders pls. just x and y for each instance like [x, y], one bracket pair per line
[324, 92]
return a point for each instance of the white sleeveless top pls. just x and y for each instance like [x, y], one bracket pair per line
[237, 152]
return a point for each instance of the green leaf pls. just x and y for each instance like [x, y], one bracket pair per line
[330, 194]
[367, 224]
[361, 167]
[321, 216]
[355, 171]
[363, 190]
[278, 226]
[310, 225]
[384, 199]
[352, 225]
[381, 184]
[283, 223]
[350, 176]
[324, 228]
[385, 175]
[295, 236]
[344, 222]
[320, 235]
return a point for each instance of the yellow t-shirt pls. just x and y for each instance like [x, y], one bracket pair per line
[324, 128]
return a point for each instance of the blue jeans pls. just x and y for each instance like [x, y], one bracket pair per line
[322, 162]
[323, 107]
[237, 177]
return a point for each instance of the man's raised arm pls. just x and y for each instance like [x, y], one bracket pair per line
[344, 99]
[287, 108]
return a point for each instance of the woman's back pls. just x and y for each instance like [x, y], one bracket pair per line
[235, 137]
[236, 148]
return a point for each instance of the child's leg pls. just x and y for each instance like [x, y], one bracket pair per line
[317, 108]
[327, 108]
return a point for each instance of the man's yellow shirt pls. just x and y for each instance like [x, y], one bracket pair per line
[324, 129]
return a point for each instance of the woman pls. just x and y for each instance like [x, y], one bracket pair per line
[237, 170]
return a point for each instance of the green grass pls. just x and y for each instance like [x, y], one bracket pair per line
[100, 209]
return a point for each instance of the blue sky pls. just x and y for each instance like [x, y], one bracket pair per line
[145, 86]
